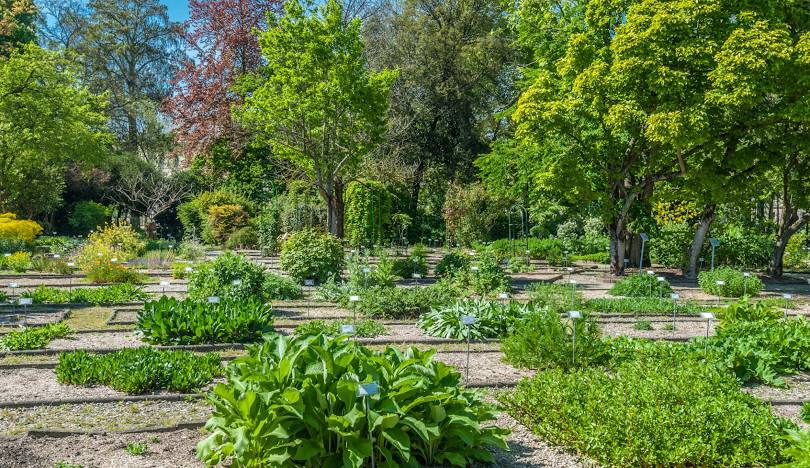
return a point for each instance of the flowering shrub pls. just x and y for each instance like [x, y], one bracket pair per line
[224, 220]
[21, 229]
[117, 241]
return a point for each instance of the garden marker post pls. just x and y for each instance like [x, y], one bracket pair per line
[565, 258]
[574, 315]
[573, 292]
[701, 259]
[715, 243]
[354, 299]
[651, 275]
[25, 302]
[746, 275]
[787, 297]
[163, 285]
[660, 287]
[468, 321]
[644, 239]
[719, 283]
[503, 297]
[213, 300]
[366, 271]
[674, 297]
[13, 287]
[570, 270]
[709, 317]
[70, 282]
[309, 282]
[348, 330]
[416, 277]
[365, 391]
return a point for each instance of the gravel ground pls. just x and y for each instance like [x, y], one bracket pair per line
[315, 311]
[484, 367]
[96, 341]
[41, 384]
[28, 318]
[683, 330]
[798, 388]
[119, 416]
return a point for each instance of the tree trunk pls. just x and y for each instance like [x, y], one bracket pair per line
[791, 224]
[617, 246]
[335, 207]
[706, 219]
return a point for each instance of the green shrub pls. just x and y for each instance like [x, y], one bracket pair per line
[555, 297]
[50, 265]
[368, 212]
[650, 412]
[406, 267]
[452, 263]
[805, 412]
[745, 311]
[87, 216]
[109, 272]
[641, 305]
[643, 325]
[599, 257]
[307, 388]
[140, 370]
[363, 275]
[18, 262]
[741, 247]
[136, 448]
[761, 350]
[169, 321]
[3, 296]
[798, 452]
[268, 229]
[400, 303]
[216, 278]
[191, 250]
[62, 245]
[736, 283]
[364, 328]
[103, 295]
[670, 246]
[311, 254]
[34, 337]
[9, 245]
[545, 340]
[243, 238]
[154, 259]
[275, 287]
[114, 240]
[194, 215]
[641, 285]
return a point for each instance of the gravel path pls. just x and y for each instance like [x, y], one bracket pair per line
[485, 368]
[41, 384]
[682, 330]
[96, 341]
[798, 388]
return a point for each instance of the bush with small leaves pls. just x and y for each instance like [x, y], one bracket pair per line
[641, 285]
[734, 283]
[312, 254]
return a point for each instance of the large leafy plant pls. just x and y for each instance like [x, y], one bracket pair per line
[492, 319]
[735, 283]
[103, 295]
[217, 277]
[312, 254]
[400, 303]
[140, 370]
[363, 328]
[169, 321]
[641, 285]
[293, 402]
[34, 337]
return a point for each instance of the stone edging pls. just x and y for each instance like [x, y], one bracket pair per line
[58, 433]
[110, 399]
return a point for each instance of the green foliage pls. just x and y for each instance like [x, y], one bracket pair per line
[798, 452]
[650, 412]
[641, 305]
[62, 245]
[400, 303]
[470, 211]
[223, 221]
[670, 246]
[140, 370]
[364, 328]
[762, 350]
[155, 259]
[555, 297]
[18, 262]
[169, 321]
[136, 448]
[600, 257]
[452, 263]
[307, 386]
[64, 464]
[735, 282]
[643, 325]
[50, 265]
[102, 295]
[194, 215]
[88, 216]
[493, 319]
[108, 272]
[741, 248]
[368, 212]
[641, 285]
[216, 278]
[276, 287]
[191, 250]
[406, 267]
[243, 238]
[544, 339]
[744, 311]
[34, 337]
[311, 254]
[804, 413]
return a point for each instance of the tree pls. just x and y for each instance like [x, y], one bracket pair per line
[316, 103]
[634, 93]
[17, 24]
[456, 74]
[47, 120]
[220, 35]
[129, 50]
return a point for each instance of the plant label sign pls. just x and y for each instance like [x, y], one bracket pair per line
[347, 329]
[468, 320]
[213, 300]
[13, 285]
[474, 268]
[366, 270]
[164, 283]
[747, 275]
[417, 276]
[503, 296]
[569, 269]
[660, 278]
[188, 269]
[236, 282]
[787, 296]
[26, 301]
[674, 296]
[371, 388]
[721, 283]
[572, 281]
[707, 315]
[309, 282]
[71, 264]
[650, 272]
[354, 298]
[574, 314]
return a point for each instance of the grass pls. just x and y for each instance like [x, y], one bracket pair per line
[137, 448]
[644, 325]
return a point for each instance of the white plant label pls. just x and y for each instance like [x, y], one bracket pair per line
[417, 276]
[371, 388]
[13, 285]
[309, 282]
[26, 301]
[674, 296]
[787, 296]
[236, 282]
[164, 283]
[503, 296]
[707, 315]
[347, 329]
[574, 314]
[354, 298]
[721, 283]
[468, 319]
[213, 300]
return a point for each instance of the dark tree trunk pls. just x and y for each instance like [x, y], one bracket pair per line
[706, 219]
[617, 247]
[790, 225]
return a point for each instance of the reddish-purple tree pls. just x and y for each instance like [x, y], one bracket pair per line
[222, 46]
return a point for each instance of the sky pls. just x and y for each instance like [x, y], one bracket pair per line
[178, 9]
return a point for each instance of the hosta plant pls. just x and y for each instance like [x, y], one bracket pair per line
[140, 370]
[34, 337]
[492, 319]
[294, 402]
[103, 295]
[169, 321]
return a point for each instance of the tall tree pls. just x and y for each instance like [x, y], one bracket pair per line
[47, 119]
[636, 91]
[316, 103]
[456, 74]
[17, 24]
[223, 46]
[129, 50]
